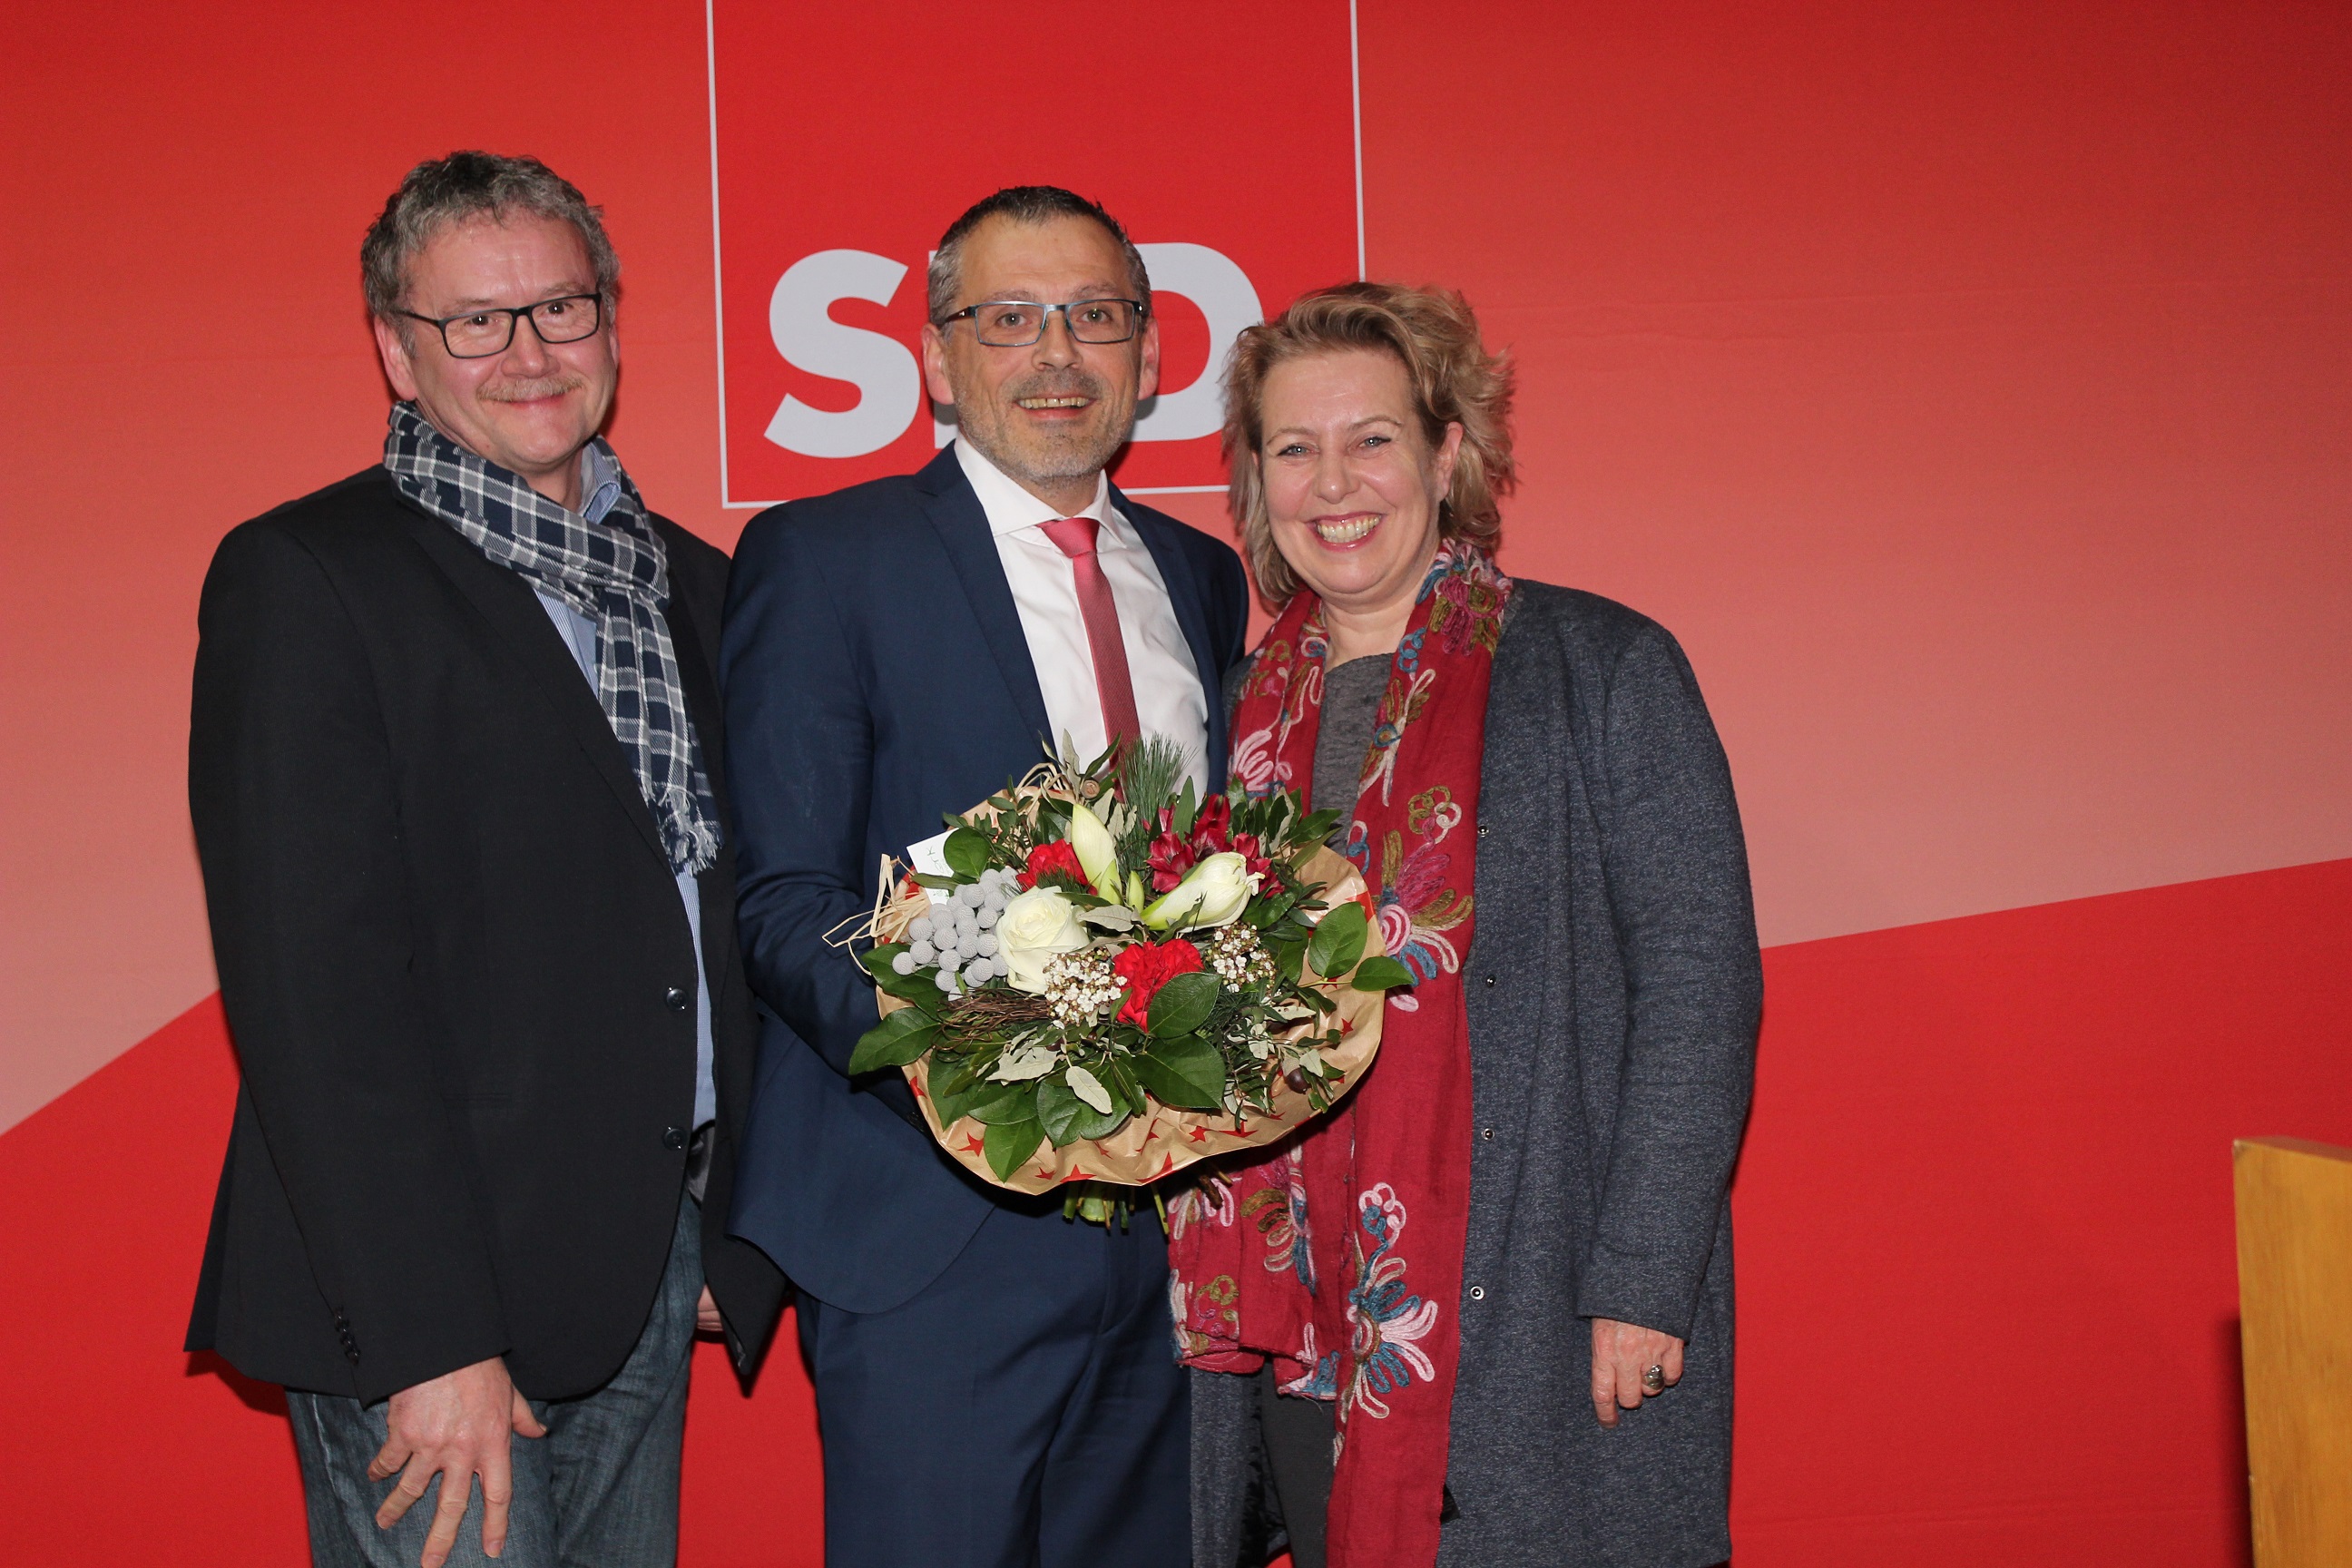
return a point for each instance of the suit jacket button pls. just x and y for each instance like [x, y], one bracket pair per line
[677, 998]
[674, 1138]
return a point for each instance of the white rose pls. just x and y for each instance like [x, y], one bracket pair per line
[1212, 893]
[1035, 928]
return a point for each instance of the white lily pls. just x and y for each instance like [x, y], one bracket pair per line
[1097, 850]
[1212, 893]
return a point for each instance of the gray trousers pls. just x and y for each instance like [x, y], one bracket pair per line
[599, 1490]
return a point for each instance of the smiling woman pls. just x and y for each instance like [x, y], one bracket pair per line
[1427, 1289]
[1368, 410]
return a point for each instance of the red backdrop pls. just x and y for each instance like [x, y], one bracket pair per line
[1963, 384]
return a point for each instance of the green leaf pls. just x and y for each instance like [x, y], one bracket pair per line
[893, 1042]
[1088, 1088]
[1057, 1111]
[1009, 1145]
[1117, 1074]
[1266, 912]
[1288, 953]
[1339, 941]
[966, 852]
[1093, 1123]
[918, 987]
[1186, 809]
[953, 1088]
[1382, 973]
[1182, 1006]
[999, 1104]
[1187, 1073]
[1066, 1117]
[1315, 828]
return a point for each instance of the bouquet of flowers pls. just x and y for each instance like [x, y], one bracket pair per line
[1104, 978]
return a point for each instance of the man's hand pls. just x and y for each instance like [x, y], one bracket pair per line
[1621, 1352]
[456, 1425]
[707, 1320]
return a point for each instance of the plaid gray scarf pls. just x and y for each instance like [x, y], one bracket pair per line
[614, 572]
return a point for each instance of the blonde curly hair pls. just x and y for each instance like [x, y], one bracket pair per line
[1435, 335]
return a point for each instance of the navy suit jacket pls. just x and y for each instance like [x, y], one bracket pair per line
[876, 674]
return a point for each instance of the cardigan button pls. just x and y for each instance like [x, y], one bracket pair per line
[1483, 830]
[1490, 980]
[1477, 1293]
[1486, 1134]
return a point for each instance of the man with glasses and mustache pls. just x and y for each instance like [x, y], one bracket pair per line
[457, 775]
[995, 1385]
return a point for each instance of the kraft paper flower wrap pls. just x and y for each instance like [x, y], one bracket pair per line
[1110, 981]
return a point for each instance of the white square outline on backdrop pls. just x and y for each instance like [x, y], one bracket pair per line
[718, 273]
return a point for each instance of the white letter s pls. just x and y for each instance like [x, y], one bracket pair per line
[889, 382]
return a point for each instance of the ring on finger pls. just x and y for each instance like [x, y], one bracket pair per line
[1654, 1379]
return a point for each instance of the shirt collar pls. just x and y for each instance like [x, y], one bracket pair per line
[600, 482]
[1011, 509]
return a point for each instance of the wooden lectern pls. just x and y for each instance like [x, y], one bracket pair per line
[2294, 1297]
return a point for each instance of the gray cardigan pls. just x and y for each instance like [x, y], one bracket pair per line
[1614, 990]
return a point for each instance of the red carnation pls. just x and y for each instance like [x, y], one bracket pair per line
[1056, 862]
[1145, 968]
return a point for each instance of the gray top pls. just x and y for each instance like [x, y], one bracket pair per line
[1613, 992]
[1351, 701]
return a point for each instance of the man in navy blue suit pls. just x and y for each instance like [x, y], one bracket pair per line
[997, 1385]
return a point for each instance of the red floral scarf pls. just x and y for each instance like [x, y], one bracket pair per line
[1339, 1255]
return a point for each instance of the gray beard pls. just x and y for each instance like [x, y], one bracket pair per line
[1075, 463]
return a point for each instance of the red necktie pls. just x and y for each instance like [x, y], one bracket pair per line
[1075, 537]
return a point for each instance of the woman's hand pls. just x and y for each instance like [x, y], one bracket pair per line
[1622, 1353]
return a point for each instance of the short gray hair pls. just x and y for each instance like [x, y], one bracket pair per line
[1030, 204]
[442, 191]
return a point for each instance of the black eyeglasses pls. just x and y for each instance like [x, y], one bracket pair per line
[479, 334]
[1017, 323]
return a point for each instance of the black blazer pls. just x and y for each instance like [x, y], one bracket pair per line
[454, 965]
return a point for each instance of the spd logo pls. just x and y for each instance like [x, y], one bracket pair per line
[1222, 136]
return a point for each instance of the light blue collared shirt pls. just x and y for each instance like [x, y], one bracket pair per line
[602, 485]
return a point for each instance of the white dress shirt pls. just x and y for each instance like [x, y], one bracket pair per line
[1169, 701]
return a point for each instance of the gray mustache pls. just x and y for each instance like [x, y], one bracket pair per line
[1063, 386]
[525, 391]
